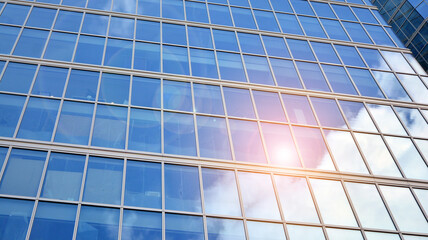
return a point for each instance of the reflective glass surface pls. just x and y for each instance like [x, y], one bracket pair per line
[14, 218]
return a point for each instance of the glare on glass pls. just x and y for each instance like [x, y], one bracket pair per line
[139, 224]
[265, 231]
[219, 228]
[413, 120]
[269, 106]
[246, 141]
[414, 87]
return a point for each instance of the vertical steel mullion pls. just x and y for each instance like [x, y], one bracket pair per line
[195, 123]
[128, 113]
[241, 203]
[94, 114]
[259, 127]
[229, 131]
[162, 120]
[354, 211]
[107, 37]
[385, 203]
[122, 198]
[6, 160]
[421, 207]
[204, 215]
[278, 200]
[293, 60]
[163, 199]
[317, 208]
[62, 100]
[18, 37]
[82, 186]
[321, 69]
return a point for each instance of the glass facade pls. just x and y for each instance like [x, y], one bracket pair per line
[216, 119]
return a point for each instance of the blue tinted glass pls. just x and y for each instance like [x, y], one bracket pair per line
[50, 81]
[50, 1]
[17, 77]
[82, 85]
[213, 138]
[231, 67]
[285, 73]
[199, 37]
[289, 24]
[184, 227]
[173, 9]
[246, 140]
[393, 36]
[23, 172]
[379, 35]
[39, 119]
[283, 6]
[175, 34]
[365, 83]
[391, 86]
[10, 111]
[102, 5]
[269, 106]
[3, 152]
[144, 130]
[149, 7]
[60, 46]
[175, 60]
[14, 218]
[75, 3]
[89, 50]
[74, 123]
[328, 113]
[349, 55]
[243, 18]
[127, 6]
[41, 17]
[182, 190]
[196, 12]
[68, 21]
[146, 92]
[238, 102]
[95, 24]
[250, 43]
[118, 53]
[121, 27]
[262, 4]
[344, 12]
[179, 134]
[356, 32]
[31, 43]
[203, 63]
[339, 80]
[365, 15]
[225, 40]
[258, 70]
[103, 182]
[300, 49]
[325, 52]
[312, 27]
[219, 228]
[298, 109]
[53, 221]
[143, 184]
[275, 46]
[208, 99]
[323, 9]
[334, 29]
[110, 127]
[147, 56]
[266, 21]
[98, 223]
[312, 76]
[220, 15]
[114, 88]
[302, 7]
[177, 96]
[148, 31]
[8, 35]
[63, 177]
[358, 117]
[373, 58]
[14, 14]
[138, 224]
[242, 3]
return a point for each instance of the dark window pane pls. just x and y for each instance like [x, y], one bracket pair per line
[231, 67]
[89, 50]
[208, 99]
[196, 12]
[68, 21]
[41, 17]
[146, 92]
[8, 35]
[179, 134]
[177, 96]
[82, 85]
[14, 14]
[147, 56]
[174, 34]
[10, 111]
[298, 109]
[238, 102]
[50, 81]
[365, 82]
[269, 106]
[175, 60]
[14, 218]
[114, 88]
[95, 24]
[60, 46]
[110, 127]
[98, 223]
[246, 141]
[275, 46]
[312, 76]
[285, 73]
[140, 225]
[300, 49]
[339, 80]
[118, 53]
[121, 27]
[328, 112]
[144, 130]
[213, 138]
[203, 63]
[148, 31]
[31, 43]
[184, 227]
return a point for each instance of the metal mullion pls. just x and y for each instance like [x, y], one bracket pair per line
[18, 37]
[163, 199]
[162, 119]
[266, 56]
[79, 206]
[252, 14]
[6, 160]
[94, 113]
[229, 131]
[317, 209]
[397, 228]
[241, 53]
[107, 37]
[319, 65]
[195, 123]
[278, 200]
[128, 113]
[204, 217]
[421, 207]
[122, 198]
[293, 60]
[241, 203]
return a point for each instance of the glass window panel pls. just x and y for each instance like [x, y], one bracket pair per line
[8, 35]
[231, 68]
[145, 130]
[98, 223]
[177, 96]
[60, 46]
[114, 88]
[173, 9]
[118, 53]
[349, 56]
[53, 221]
[199, 37]
[89, 50]
[139, 224]
[213, 138]
[269, 106]
[337, 234]
[312, 148]
[146, 92]
[283, 6]
[175, 60]
[332, 201]
[74, 3]
[243, 18]
[104, 5]
[10, 111]
[220, 192]
[208, 99]
[31, 43]
[414, 63]
[266, 21]
[374, 59]
[174, 34]
[3, 152]
[196, 12]
[312, 27]
[219, 228]
[339, 80]
[246, 141]
[238, 102]
[103, 183]
[183, 227]
[74, 123]
[365, 15]
[415, 87]
[312, 76]
[275, 46]
[143, 185]
[285, 73]
[147, 56]
[250, 43]
[323, 9]
[325, 52]
[298, 109]
[23, 172]
[289, 24]
[14, 14]
[302, 7]
[179, 134]
[422, 195]
[262, 4]
[225, 40]
[110, 127]
[300, 49]
[242, 3]
[413, 120]
[258, 70]
[405, 210]
[50, 81]
[127, 6]
[68, 21]
[14, 218]
[334, 29]
[397, 62]
[391, 86]
[296, 200]
[357, 115]
[203, 63]
[380, 236]
[82, 85]
[148, 7]
[95, 24]
[379, 35]
[148, 31]
[220, 15]
[386, 120]
[423, 147]
[121, 27]
[297, 232]
[411, 237]
[41, 17]
[182, 192]
[365, 82]
[258, 195]
[344, 12]
[328, 113]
